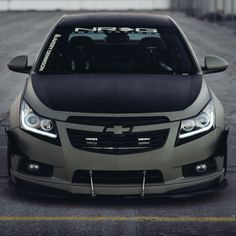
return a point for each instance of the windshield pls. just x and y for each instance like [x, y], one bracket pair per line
[115, 50]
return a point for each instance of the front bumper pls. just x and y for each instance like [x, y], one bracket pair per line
[169, 160]
[182, 189]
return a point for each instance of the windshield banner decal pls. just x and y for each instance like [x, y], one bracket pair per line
[49, 51]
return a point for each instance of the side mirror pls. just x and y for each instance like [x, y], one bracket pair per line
[214, 64]
[19, 64]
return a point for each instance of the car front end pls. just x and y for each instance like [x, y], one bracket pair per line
[150, 154]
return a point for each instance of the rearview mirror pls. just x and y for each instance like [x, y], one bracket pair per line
[19, 64]
[214, 64]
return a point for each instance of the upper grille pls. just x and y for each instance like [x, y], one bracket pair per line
[109, 143]
[124, 121]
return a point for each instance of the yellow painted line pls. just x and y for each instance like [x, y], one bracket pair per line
[119, 218]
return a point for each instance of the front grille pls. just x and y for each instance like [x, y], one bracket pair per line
[110, 143]
[118, 177]
[123, 121]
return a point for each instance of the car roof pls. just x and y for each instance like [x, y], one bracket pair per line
[117, 19]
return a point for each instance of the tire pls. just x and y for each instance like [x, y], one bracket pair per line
[225, 162]
[226, 151]
[9, 156]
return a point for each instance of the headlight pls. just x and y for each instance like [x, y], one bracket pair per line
[32, 122]
[205, 121]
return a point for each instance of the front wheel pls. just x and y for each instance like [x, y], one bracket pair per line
[226, 149]
[9, 156]
[225, 162]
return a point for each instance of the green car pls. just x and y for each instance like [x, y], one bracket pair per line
[117, 104]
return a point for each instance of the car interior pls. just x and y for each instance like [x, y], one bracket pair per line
[117, 53]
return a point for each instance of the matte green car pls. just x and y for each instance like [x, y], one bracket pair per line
[117, 104]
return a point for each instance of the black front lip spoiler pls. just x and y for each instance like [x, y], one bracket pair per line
[198, 190]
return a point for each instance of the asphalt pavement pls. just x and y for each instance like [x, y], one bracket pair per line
[23, 214]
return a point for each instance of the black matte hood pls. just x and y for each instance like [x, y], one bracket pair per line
[117, 93]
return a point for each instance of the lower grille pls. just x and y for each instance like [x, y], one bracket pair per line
[117, 177]
[109, 143]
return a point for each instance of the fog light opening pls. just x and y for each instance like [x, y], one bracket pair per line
[32, 167]
[201, 168]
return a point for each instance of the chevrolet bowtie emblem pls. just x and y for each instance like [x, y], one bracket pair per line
[118, 129]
